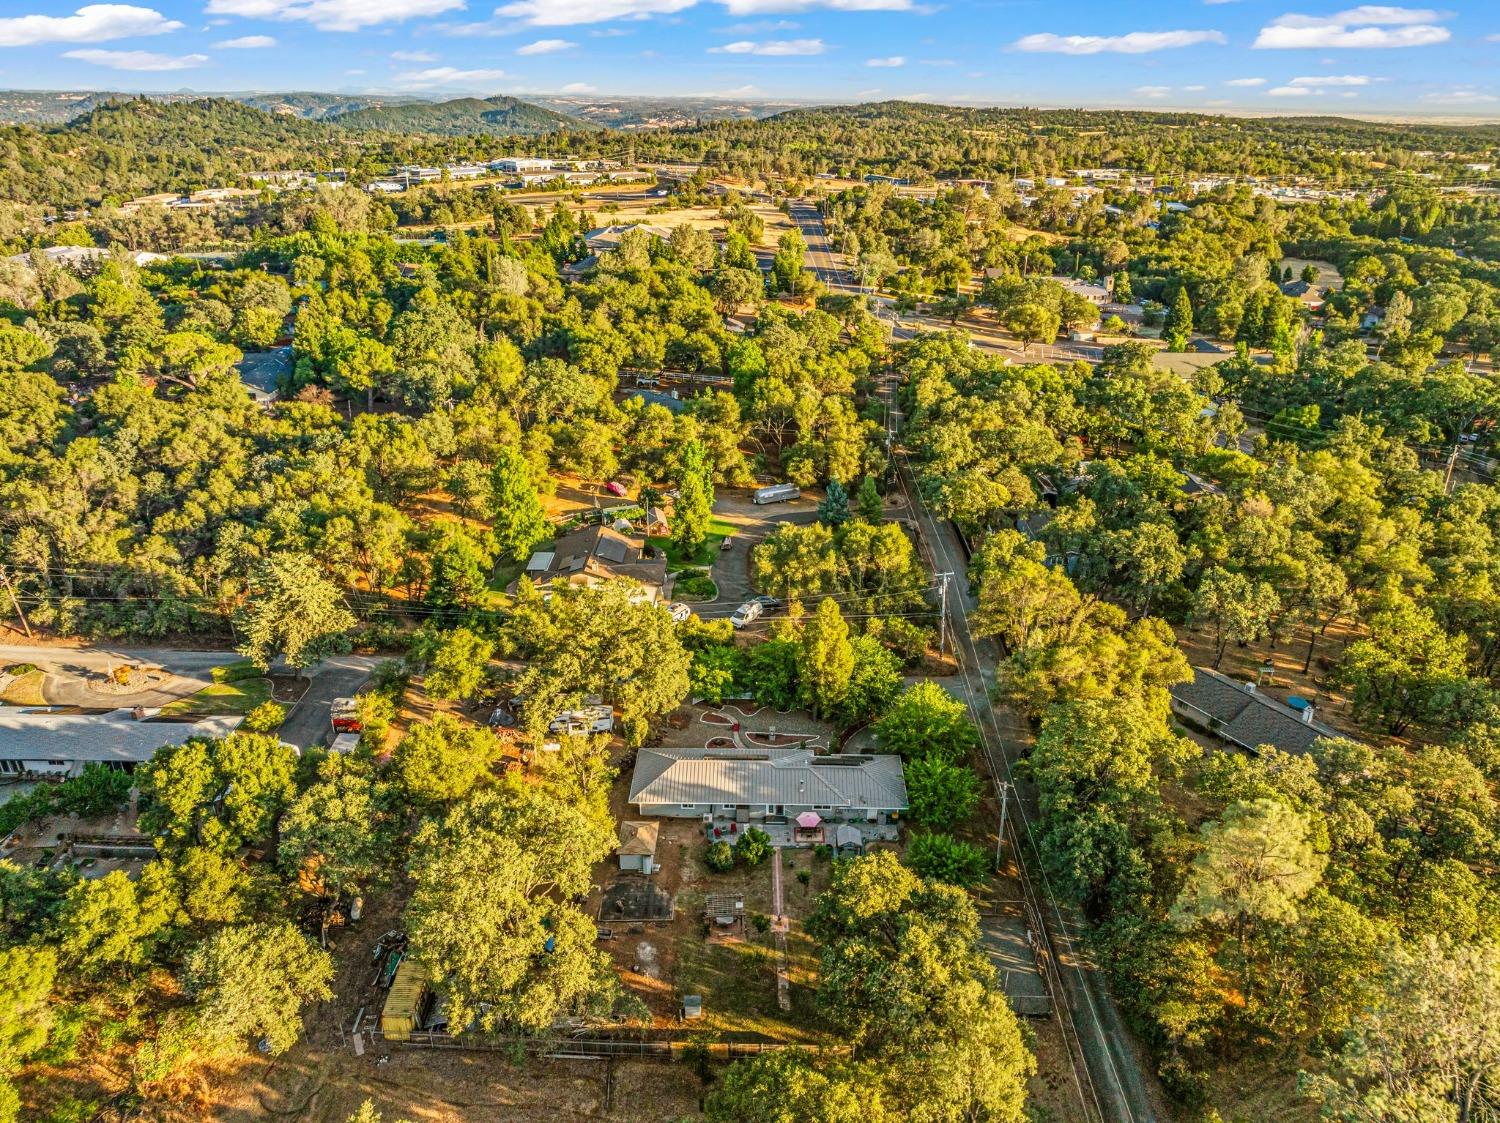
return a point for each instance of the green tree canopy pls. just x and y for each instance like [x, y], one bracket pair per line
[253, 980]
[292, 612]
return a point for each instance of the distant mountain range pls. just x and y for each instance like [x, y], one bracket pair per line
[407, 113]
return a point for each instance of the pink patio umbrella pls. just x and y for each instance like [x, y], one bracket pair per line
[809, 819]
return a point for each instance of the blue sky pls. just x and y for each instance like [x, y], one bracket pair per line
[1266, 55]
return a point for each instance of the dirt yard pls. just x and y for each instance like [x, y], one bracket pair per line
[734, 971]
[322, 1081]
[1287, 676]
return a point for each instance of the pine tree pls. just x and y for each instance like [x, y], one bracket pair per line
[519, 521]
[1179, 322]
[826, 662]
[834, 510]
[870, 507]
[695, 501]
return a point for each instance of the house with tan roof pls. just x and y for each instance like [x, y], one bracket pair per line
[749, 784]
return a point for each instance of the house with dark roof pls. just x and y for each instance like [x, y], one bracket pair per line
[263, 372]
[1307, 294]
[1240, 714]
[595, 555]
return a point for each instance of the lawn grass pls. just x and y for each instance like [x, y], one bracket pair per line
[237, 697]
[738, 983]
[25, 690]
[235, 672]
[704, 556]
[695, 586]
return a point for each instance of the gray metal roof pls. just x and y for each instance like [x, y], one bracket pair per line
[789, 777]
[41, 734]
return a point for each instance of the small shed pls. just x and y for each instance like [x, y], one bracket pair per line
[637, 849]
[404, 1002]
[848, 841]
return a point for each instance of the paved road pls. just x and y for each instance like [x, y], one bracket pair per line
[1114, 1078]
[1111, 1080]
[752, 522]
[825, 265]
[310, 722]
[70, 669]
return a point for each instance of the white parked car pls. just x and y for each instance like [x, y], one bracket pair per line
[746, 614]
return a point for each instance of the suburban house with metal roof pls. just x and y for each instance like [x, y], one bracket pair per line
[745, 785]
[60, 741]
[1240, 714]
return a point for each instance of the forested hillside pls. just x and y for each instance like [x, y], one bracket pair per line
[495, 116]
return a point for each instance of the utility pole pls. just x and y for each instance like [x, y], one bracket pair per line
[15, 601]
[943, 615]
[1448, 474]
[1004, 807]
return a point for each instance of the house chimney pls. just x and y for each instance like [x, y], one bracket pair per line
[1249, 687]
[1307, 714]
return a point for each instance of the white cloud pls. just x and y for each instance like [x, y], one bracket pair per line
[247, 43]
[546, 47]
[1193, 89]
[771, 47]
[1245, 82]
[1333, 80]
[894, 60]
[333, 15]
[1153, 92]
[137, 60]
[1460, 97]
[447, 76]
[93, 23]
[565, 13]
[760, 7]
[568, 13]
[1290, 91]
[1367, 26]
[757, 27]
[1135, 43]
[414, 56]
[578, 88]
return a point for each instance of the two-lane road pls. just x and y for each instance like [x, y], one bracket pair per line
[1114, 1083]
[826, 266]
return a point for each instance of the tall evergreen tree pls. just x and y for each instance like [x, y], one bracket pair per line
[519, 521]
[695, 500]
[827, 658]
[834, 509]
[1179, 322]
